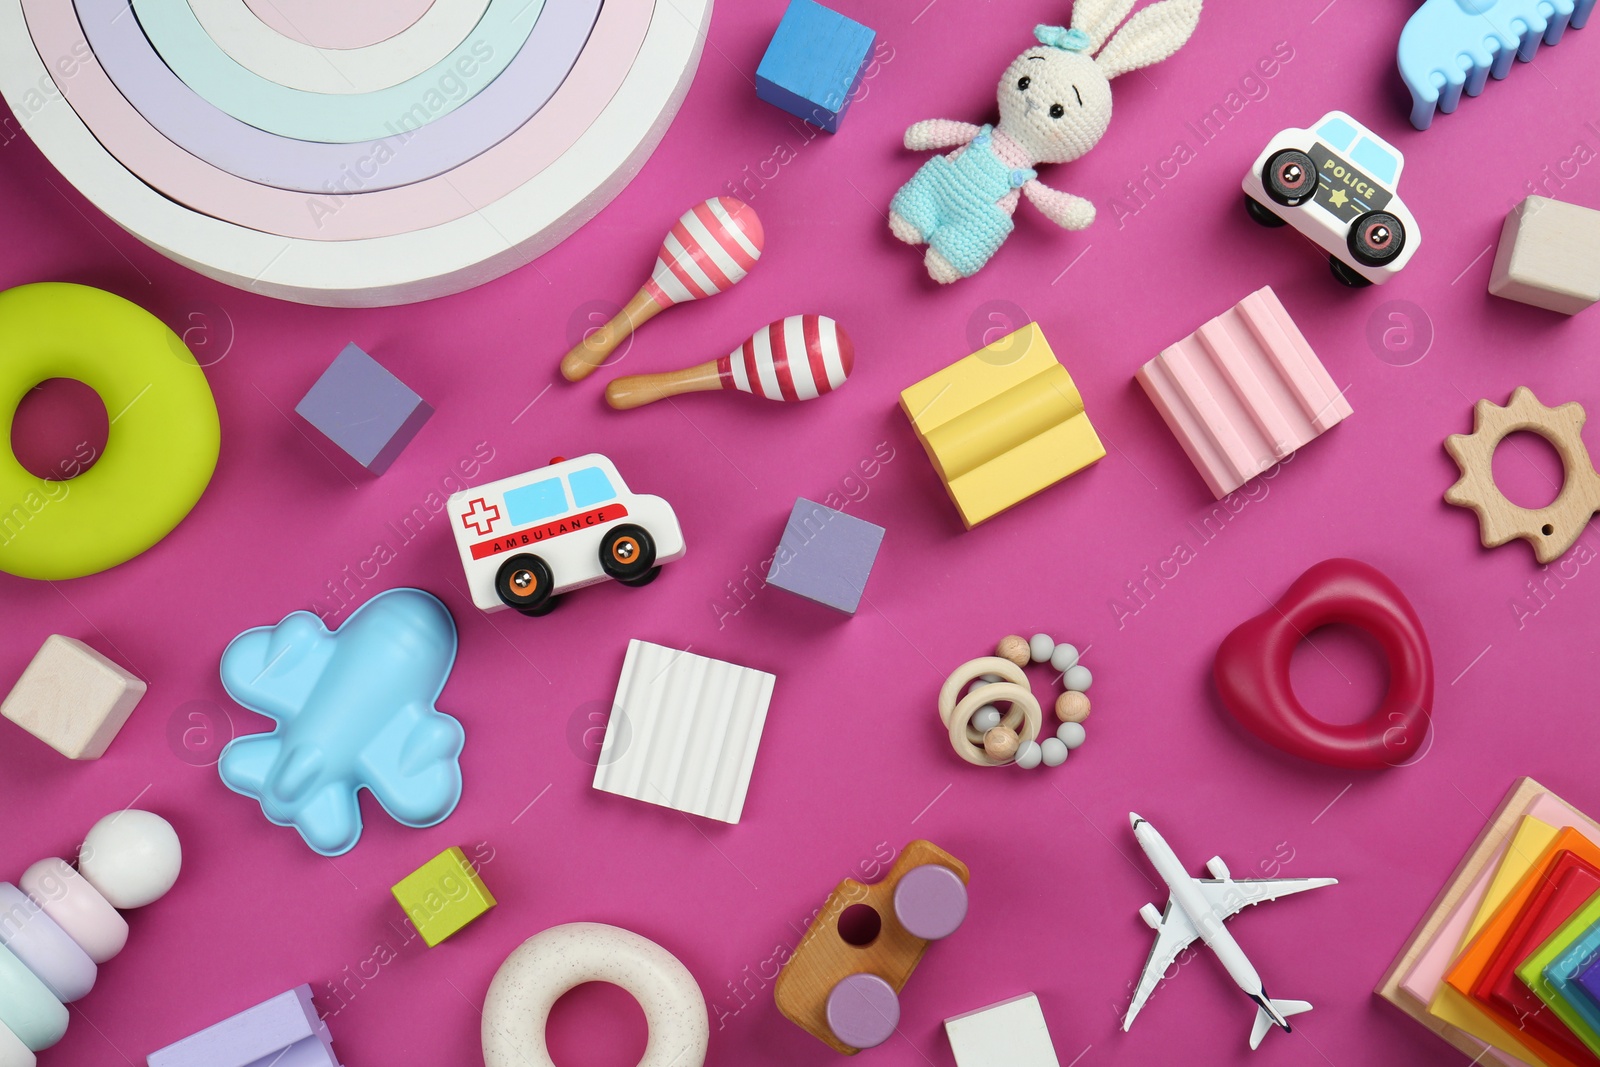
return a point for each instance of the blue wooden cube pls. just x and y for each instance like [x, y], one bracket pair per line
[814, 63]
[365, 410]
[825, 556]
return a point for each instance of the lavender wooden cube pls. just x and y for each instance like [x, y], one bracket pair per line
[282, 1032]
[825, 556]
[364, 409]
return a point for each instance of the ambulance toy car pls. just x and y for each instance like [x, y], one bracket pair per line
[528, 539]
[1336, 185]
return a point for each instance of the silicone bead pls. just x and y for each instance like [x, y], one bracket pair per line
[13, 1053]
[1078, 679]
[77, 907]
[1064, 658]
[863, 1011]
[132, 858]
[1029, 754]
[1072, 734]
[1053, 752]
[47, 950]
[931, 901]
[26, 1007]
[1040, 647]
[986, 719]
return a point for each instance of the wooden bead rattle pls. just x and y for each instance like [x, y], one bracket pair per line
[711, 249]
[797, 358]
[983, 737]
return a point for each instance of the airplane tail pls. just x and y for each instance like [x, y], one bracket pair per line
[1270, 1013]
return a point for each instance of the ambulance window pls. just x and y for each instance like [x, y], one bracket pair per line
[1338, 133]
[590, 486]
[531, 503]
[1376, 161]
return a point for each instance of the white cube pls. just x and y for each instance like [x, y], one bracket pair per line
[72, 698]
[1549, 256]
[1011, 1033]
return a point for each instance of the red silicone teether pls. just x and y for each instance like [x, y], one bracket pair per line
[1252, 669]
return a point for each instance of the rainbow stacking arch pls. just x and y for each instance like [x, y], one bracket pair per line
[386, 152]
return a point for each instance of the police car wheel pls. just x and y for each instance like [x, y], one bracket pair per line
[1346, 274]
[1290, 177]
[1376, 238]
[1262, 214]
[524, 582]
[627, 553]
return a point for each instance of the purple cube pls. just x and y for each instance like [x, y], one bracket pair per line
[282, 1032]
[825, 556]
[364, 409]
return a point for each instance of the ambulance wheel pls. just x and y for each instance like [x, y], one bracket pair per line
[1376, 238]
[649, 576]
[628, 554]
[1290, 177]
[1346, 274]
[524, 582]
[1263, 215]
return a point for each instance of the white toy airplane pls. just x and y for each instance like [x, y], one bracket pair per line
[1197, 909]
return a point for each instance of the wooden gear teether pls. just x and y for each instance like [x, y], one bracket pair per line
[1552, 529]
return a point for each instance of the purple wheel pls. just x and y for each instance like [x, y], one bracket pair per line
[863, 1011]
[931, 901]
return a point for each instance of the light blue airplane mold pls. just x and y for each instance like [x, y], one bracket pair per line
[355, 710]
[1452, 46]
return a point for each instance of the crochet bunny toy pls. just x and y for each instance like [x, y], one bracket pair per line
[1055, 105]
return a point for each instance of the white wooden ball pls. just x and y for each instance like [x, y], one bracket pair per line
[132, 858]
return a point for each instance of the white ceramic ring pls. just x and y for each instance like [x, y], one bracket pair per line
[1021, 699]
[47, 950]
[77, 907]
[550, 964]
[13, 1053]
[285, 61]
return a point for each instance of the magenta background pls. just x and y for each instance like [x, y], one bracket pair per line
[852, 755]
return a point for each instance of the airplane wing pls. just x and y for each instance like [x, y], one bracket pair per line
[1229, 896]
[1174, 934]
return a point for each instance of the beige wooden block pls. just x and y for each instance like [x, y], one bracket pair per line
[72, 698]
[1549, 256]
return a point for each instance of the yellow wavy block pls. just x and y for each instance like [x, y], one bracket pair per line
[1002, 424]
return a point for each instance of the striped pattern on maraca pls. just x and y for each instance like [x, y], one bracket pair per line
[712, 246]
[797, 358]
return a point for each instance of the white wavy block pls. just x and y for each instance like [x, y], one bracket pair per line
[684, 731]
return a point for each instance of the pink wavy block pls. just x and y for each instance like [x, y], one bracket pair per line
[1243, 391]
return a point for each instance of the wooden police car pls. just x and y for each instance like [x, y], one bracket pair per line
[527, 539]
[1336, 185]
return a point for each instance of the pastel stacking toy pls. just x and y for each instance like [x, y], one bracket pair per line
[62, 923]
[710, 249]
[797, 358]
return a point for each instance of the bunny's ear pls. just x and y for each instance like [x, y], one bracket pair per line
[1150, 36]
[1097, 18]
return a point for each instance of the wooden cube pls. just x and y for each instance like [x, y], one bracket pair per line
[1549, 256]
[72, 698]
[1012, 1033]
[814, 63]
[365, 410]
[444, 895]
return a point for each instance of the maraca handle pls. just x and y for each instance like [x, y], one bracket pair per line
[641, 389]
[594, 349]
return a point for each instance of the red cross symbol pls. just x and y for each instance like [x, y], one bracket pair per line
[481, 516]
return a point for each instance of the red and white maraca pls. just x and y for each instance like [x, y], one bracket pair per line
[797, 358]
[63, 923]
[711, 249]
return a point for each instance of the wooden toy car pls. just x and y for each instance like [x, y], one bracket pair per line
[527, 539]
[1336, 185]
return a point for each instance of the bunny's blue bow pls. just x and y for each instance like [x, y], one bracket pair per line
[1063, 38]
